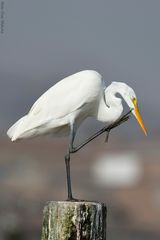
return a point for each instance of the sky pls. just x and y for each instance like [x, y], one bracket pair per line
[44, 41]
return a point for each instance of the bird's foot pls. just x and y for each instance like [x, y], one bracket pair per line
[107, 135]
[75, 200]
[123, 119]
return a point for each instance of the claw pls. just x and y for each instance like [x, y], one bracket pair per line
[107, 136]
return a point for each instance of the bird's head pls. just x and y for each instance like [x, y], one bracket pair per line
[130, 98]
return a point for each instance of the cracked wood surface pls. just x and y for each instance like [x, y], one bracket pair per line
[64, 220]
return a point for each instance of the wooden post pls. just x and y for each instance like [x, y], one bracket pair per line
[64, 220]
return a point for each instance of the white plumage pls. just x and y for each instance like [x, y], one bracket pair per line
[64, 106]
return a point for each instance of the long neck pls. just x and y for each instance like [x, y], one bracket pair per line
[110, 107]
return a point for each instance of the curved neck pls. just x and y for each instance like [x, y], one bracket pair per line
[110, 106]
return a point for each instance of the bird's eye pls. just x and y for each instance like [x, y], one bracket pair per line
[134, 100]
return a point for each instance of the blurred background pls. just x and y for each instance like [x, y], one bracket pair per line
[41, 43]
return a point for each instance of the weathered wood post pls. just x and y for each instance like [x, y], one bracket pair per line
[81, 220]
[77, 220]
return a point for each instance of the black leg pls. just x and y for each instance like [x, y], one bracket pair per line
[67, 161]
[75, 149]
[69, 186]
[107, 129]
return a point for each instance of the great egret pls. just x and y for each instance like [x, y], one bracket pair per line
[61, 110]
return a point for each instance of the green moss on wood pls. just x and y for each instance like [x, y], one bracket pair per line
[74, 221]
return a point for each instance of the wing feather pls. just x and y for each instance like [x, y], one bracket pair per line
[67, 96]
[62, 99]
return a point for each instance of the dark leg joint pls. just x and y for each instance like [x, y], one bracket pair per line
[67, 158]
[72, 149]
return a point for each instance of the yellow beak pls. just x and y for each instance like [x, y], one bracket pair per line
[138, 116]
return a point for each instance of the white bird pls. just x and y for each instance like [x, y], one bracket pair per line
[61, 109]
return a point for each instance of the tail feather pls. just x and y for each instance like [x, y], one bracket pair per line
[12, 131]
